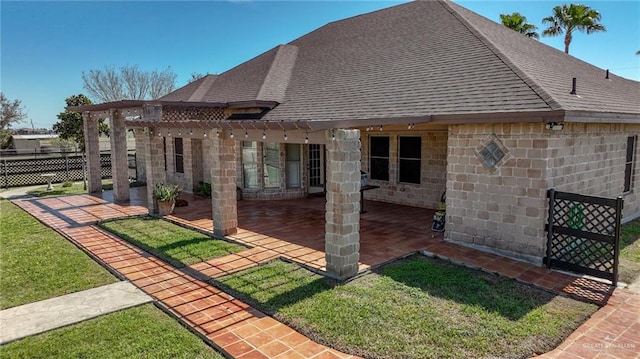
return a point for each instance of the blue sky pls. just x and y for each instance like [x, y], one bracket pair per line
[45, 46]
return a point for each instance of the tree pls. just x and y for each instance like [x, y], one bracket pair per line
[567, 19]
[517, 22]
[129, 83]
[70, 126]
[12, 113]
[195, 76]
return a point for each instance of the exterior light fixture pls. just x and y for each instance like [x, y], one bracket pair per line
[286, 137]
[264, 135]
[554, 126]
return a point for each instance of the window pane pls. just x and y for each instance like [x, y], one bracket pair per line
[379, 169]
[250, 164]
[178, 146]
[271, 165]
[631, 141]
[178, 151]
[379, 146]
[293, 152]
[627, 177]
[293, 165]
[410, 147]
[410, 171]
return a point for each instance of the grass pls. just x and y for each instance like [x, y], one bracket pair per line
[58, 190]
[415, 308]
[140, 332]
[629, 270]
[175, 244]
[37, 263]
[75, 188]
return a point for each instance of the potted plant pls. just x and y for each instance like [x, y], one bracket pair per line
[165, 194]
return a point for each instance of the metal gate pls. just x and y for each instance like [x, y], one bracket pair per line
[583, 234]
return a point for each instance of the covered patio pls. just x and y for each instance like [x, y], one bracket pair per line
[295, 229]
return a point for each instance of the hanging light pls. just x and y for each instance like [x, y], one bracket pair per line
[159, 133]
[306, 137]
[380, 129]
[264, 135]
[191, 132]
[246, 134]
[179, 132]
[231, 135]
[286, 137]
[169, 133]
[204, 134]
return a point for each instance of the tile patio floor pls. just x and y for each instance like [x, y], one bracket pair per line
[266, 227]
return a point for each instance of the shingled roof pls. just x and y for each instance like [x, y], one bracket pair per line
[415, 60]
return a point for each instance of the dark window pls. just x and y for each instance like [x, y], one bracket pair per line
[409, 164]
[379, 158]
[179, 152]
[491, 154]
[164, 151]
[628, 168]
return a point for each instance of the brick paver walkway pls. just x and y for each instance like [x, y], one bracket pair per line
[228, 323]
[244, 332]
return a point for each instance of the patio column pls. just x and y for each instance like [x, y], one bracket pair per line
[153, 154]
[92, 153]
[141, 167]
[223, 187]
[342, 227]
[119, 160]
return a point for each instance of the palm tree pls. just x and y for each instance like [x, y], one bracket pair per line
[517, 22]
[569, 18]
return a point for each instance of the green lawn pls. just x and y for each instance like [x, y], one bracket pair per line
[140, 332]
[416, 308]
[75, 188]
[630, 252]
[177, 245]
[37, 263]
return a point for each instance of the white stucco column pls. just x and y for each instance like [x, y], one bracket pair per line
[342, 228]
[119, 160]
[223, 187]
[92, 153]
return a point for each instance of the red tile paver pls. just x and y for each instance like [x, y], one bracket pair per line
[242, 331]
[235, 327]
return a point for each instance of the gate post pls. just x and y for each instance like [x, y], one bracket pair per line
[551, 194]
[616, 248]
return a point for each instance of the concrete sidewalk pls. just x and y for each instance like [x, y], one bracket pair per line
[34, 318]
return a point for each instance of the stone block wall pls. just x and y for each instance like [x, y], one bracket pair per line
[502, 209]
[427, 194]
[506, 209]
[590, 159]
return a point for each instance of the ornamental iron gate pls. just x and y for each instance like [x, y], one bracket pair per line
[583, 234]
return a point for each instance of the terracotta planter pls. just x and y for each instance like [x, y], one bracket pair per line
[166, 207]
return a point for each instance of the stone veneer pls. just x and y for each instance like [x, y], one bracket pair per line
[433, 177]
[506, 209]
[119, 159]
[223, 187]
[342, 228]
[92, 152]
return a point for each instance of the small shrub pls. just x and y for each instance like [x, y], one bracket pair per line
[165, 192]
[205, 188]
[67, 184]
